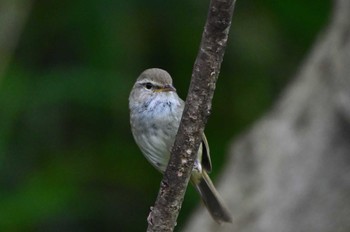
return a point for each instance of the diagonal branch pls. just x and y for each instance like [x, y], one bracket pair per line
[198, 105]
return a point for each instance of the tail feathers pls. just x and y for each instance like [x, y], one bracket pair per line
[212, 200]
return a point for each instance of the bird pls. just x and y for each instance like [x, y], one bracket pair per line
[155, 115]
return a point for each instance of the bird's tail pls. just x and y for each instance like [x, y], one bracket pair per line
[212, 199]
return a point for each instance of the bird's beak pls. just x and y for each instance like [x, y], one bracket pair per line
[167, 88]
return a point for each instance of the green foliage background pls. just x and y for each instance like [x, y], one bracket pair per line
[68, 161]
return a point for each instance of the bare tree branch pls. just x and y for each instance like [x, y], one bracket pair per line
[198, 105]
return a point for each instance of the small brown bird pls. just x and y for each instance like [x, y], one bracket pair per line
[155, 114]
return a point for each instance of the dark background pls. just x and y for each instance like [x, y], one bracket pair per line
[68, 161]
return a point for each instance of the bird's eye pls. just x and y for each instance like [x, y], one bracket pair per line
[148, 85]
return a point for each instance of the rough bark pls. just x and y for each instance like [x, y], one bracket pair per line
[291, 171]
[198, 104]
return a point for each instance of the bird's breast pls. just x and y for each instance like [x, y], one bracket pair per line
[154, 129]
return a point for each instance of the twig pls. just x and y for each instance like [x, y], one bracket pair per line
[198, 105]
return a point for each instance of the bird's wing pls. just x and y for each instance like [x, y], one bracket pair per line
[206, 162]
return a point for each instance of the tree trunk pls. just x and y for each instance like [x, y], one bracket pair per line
[13, 15]
[291, 171]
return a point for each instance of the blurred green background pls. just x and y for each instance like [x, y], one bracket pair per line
[68, 161]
